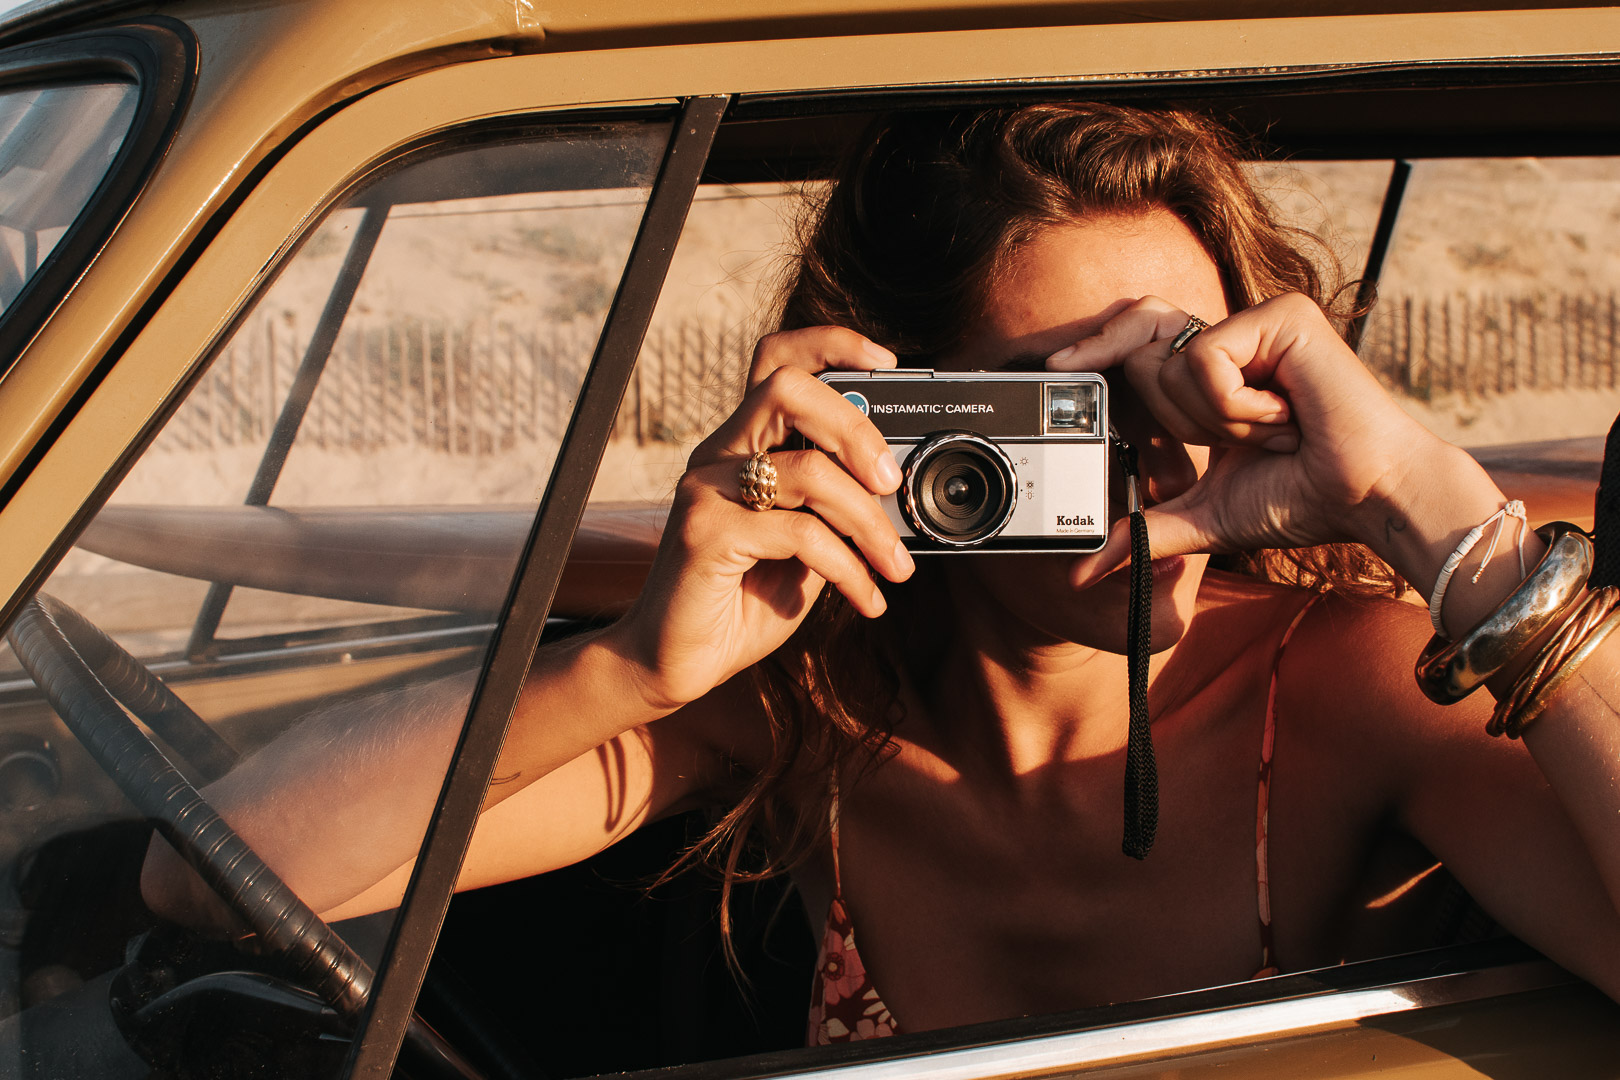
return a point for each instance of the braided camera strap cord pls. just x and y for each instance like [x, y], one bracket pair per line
[1141, 768]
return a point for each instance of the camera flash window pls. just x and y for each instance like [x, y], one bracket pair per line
[1071, 407]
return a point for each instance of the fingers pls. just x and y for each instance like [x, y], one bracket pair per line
[1145, 322]
[809, 479]
[1177, 527]
[791, 399]
[816, 349]
[716, 526]
[1201, 395]
[778, 535]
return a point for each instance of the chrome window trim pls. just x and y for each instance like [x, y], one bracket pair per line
[1160, 1029]
[1199, 1030]
[1289, 78]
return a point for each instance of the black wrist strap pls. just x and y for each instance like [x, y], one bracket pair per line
[1141, 768]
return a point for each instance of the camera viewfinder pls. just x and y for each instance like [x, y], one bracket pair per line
[1071, 407]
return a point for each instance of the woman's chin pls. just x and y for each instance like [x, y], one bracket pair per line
[1037, 591]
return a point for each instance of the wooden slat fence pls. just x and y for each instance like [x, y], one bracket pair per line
[485, 387]
[465, 389]
[1476, 344]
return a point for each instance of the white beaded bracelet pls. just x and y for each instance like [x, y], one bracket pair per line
[1514, 509]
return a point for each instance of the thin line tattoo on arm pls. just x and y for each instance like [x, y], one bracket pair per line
[1597, 693]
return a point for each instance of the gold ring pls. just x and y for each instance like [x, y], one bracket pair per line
[1194, 327]
[758, 482]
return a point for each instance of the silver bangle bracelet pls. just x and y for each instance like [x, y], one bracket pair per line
[1447, 672]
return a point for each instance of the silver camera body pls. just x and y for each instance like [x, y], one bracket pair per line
[1005, 461]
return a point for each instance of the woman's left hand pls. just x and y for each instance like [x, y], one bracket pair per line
[1307, 448]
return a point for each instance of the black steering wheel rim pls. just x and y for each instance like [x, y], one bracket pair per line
[52, 641]
[286, 927]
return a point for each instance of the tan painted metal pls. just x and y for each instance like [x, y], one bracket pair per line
[619, 23]
[265, 70]
[383, 76]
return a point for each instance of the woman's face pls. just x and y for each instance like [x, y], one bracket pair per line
[1061, 287]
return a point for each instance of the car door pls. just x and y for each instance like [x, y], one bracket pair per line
[225, 566]
[274, 398]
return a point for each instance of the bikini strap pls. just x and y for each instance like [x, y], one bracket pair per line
[832, 824]
[1262, 826]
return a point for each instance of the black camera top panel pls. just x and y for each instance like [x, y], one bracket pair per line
[909, 404]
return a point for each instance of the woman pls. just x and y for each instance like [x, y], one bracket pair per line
[947, 777]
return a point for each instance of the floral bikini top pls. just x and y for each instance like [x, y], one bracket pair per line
[845, 1006]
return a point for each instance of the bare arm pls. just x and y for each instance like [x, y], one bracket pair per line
[338, 806]
[1542, 851]
[1538, 846]
[1485, 807]
[340, 803]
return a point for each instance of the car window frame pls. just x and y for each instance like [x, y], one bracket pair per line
[522, 620]
[1266, 1009]
[421, 942]
[159, 56]
[1164, 1028]
[692, 123]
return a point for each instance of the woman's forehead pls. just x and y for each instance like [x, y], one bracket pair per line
[1065, 282]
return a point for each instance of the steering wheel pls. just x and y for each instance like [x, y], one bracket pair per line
[84, 675]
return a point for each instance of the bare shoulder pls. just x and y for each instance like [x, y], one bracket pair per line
[1243, 618]
[1348, 673]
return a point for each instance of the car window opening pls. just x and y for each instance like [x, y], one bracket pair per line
[299, 583]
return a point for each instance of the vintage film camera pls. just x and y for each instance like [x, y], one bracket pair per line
[992, 461]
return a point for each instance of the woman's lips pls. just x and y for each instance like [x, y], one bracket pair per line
[1166, 568]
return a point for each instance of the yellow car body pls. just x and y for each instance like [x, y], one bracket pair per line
[274, 113]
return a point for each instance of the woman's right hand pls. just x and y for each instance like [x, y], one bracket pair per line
[729, 584]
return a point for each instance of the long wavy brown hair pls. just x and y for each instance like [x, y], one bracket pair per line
[904, 247]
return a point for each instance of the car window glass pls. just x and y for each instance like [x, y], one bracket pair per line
[721, 295]
[321, 535]
[56, 144]
[723, 292]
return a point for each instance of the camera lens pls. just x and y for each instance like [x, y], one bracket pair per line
[958, 489]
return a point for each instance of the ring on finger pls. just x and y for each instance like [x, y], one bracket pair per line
[1194, 327]
[758, 482]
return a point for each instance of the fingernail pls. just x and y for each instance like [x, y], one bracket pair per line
[888, 471]
[1062, 355]
[1281, 444]
[903, 560]
[1278, 417]
[879, 353]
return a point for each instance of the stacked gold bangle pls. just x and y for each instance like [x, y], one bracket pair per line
[1554, 594]
[1593, 619]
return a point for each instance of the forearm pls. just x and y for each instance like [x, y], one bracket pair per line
[1576, 740]
[1417, 520]
[579, 694]
[343, 799]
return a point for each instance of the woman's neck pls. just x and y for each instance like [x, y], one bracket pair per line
[1015, 699]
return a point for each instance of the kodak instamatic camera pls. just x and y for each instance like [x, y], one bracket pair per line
[991, 461]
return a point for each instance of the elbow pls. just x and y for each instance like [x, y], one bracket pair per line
[172, 891]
